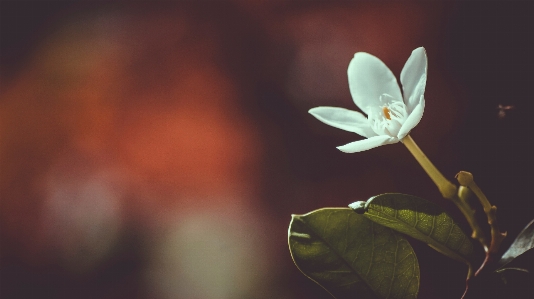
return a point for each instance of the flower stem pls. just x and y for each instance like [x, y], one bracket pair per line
[466, 179]
[463, 195]
[447, 189]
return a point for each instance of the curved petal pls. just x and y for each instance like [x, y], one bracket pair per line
[366, 144]
[413, 119]
[413, 78]
[344, 119]
[369, 78]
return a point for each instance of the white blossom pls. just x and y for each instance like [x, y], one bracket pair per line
[391, 114]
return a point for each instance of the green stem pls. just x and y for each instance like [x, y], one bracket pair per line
[466, 179]
[469, 213]
[447, 189]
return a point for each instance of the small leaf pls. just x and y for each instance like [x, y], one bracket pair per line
[523, 243]
[421, 220]
[352, 257]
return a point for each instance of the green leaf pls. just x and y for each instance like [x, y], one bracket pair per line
[523, 243]
[421, 220]
[352, 257]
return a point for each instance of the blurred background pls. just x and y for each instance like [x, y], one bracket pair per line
[158, 149]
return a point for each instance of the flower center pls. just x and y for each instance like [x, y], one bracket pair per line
[385, 110]
[387, 118]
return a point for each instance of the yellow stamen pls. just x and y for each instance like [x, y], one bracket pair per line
[385, 110]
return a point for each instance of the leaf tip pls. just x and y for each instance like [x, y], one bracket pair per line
[358, 207]
[295, 216]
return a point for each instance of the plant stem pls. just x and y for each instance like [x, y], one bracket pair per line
[466, 179]
[446, 188]
[465, 208]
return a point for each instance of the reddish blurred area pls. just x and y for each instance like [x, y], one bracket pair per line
[158, 149]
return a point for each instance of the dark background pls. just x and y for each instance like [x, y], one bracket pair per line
[142, 140]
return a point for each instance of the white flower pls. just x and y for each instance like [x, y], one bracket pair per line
[374, 89]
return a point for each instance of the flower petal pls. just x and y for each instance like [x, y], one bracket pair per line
[344, 119]
[413, 78]
[369, 78]
[366, 144]
[413, 119]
